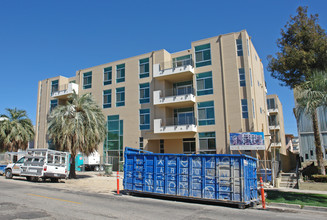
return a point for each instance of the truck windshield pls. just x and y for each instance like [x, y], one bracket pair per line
[21, 160]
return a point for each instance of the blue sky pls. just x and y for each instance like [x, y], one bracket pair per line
[43, 39]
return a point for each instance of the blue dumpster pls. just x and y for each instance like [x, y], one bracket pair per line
[214, 177]
[2, 169]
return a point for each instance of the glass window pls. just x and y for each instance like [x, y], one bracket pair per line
[271, 103]
[144, 93]
[239, 47]
[120, 96]
[202, 55]
[182, 61]
[189, 146]
[144, 119]
[53, 104]
[204, 83]
[206, 113]
[253, 109]
[183, 88]
[250, 76]
[87, 80]
[241, 73]
[245, 113]
[247, 43]
[113, 144]
[107, 76]
[162, 146]
[107, 98]
[207, 141]
[72, 81]
[120, 73]
[141, 143]
[144, 68]
[54, 86]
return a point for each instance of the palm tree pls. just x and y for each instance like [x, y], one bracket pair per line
[311, 95]
[78, 126]
[16, 130]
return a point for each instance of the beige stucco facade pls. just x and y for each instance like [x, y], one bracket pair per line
[177, 104]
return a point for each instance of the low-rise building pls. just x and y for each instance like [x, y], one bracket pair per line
[182, 102]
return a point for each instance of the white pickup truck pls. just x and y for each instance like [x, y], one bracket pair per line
[40, 163]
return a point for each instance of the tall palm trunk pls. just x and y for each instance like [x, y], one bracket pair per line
[72, 173]
[319, 153]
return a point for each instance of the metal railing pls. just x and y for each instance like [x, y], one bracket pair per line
[175, 64]
[272, 107]
[175, 121]
[177, 92]
[59, 88]
[268, 170]
[273, 123]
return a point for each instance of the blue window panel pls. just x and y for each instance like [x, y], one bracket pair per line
[204, 83]
[239, 47]
[54, 86]
[53, 104]
[144, 119]
[120, 70]
[107, 76]
[144, 93]
[202, 55]
[107, 98]
[207, 141]
[144, 68]
[245, 113]
[206, 113]
[241, 72]
[87, 80]
[120, 96]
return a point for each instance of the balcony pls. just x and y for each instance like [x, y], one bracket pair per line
[274, 126]
[175, 71]
[65, 90]
[175, 125]
[272, 109]
[276, 144]
[174, 98]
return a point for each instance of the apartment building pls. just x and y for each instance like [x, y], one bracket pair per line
[306, 136]
[183, 102]
[278, 145]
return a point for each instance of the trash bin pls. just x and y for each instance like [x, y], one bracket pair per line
[108, 168]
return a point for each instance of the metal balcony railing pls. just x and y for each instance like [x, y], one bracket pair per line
[175, 121]
[178, 91]
[59, 88]
[174, 64]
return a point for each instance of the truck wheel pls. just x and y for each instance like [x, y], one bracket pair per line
[8, 174]
[28, 178]
[96, 168]
[101, 168]
[54, 180]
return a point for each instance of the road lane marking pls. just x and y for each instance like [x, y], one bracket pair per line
[63, 200]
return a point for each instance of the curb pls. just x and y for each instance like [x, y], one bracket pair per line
[294, 206]
[315, 208]
[284, 205]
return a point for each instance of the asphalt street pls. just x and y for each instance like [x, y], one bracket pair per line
[20, 199]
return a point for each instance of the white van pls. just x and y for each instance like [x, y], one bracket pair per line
[40, 163]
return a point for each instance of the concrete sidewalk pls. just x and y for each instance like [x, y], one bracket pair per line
[296, 190]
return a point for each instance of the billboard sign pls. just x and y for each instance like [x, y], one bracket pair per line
[247, 141]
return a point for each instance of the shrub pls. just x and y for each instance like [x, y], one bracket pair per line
[319, 178]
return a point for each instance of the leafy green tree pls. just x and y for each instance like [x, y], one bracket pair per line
[78, 126]
[303, 46]
[311, 95]
[16, 130]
